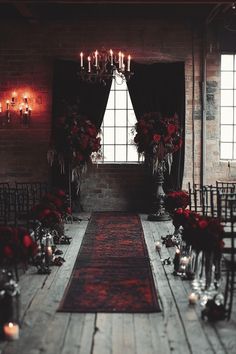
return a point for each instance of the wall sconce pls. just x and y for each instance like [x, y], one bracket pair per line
[16, 109]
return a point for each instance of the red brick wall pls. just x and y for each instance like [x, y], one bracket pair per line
[27, 53]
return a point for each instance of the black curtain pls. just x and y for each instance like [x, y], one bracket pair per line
[160, 87]
[69, 89]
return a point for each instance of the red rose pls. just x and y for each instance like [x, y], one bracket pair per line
[84, 142]
[156, 138]
[171, 129]
[27, 241]
[58, 202]
[8, 252]
[74, 130]
[68, 210]
[61, 193]
[92, 131]
[79, 157]
[202, 224]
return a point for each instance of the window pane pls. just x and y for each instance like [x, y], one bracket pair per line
[121, 99]
[130, 106]
[108, 119]
[120, 151]
[120, 135]
[117, 124]
[234, 157]
[131, 118]
[120, 83]
[121, 117]
[226, 97]
[108, 153]
[227, 62]
[108, 136]
[227, 133]
[132, 153]
[227, 80]
[226, 151]
[130, 135]
[110, 103]
[227, 115]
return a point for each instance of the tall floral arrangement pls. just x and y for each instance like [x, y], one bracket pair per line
[157, 138]
[75, 140]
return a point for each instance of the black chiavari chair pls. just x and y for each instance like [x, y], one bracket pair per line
[227, 205]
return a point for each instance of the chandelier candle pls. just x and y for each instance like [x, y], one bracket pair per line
[111, 53]
[81, 59]
[104, 65]
[89, 64]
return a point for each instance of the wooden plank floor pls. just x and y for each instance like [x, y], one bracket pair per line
[177, 329]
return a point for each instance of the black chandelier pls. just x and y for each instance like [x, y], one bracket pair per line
[102, 66]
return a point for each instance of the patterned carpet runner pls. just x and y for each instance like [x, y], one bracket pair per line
[112, 272]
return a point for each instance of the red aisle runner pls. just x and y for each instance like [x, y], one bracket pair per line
[112, 272]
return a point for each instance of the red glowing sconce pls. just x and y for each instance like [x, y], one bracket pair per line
[17, 110]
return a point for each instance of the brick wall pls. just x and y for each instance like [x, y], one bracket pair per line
[27, 54]
[116, 187]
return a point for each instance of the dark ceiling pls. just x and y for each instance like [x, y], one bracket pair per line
[40, 11]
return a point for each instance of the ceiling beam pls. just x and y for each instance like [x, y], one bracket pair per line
[163, 2]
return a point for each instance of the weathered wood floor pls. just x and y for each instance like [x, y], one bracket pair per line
[177, 329]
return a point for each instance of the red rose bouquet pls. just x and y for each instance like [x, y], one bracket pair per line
[203, 233]
[76, 140]
[16, 245]
[53, 208]
[157, 138]
[176, 199]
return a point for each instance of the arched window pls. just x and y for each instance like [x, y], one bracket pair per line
[119, 119]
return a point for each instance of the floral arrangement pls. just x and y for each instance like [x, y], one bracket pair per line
[203, 232]
[176, 199]
[181, 216]
[16, 245]
[76, 140]
[157, 138]
[53, 208]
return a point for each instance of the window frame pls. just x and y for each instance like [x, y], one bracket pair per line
[225, 107]
[128, 127]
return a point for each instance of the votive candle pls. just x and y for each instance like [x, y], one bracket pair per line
[158, 246]
[193, 298]
[11, 331]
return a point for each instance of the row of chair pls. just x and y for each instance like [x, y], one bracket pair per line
[16, 201]
[219, 201]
